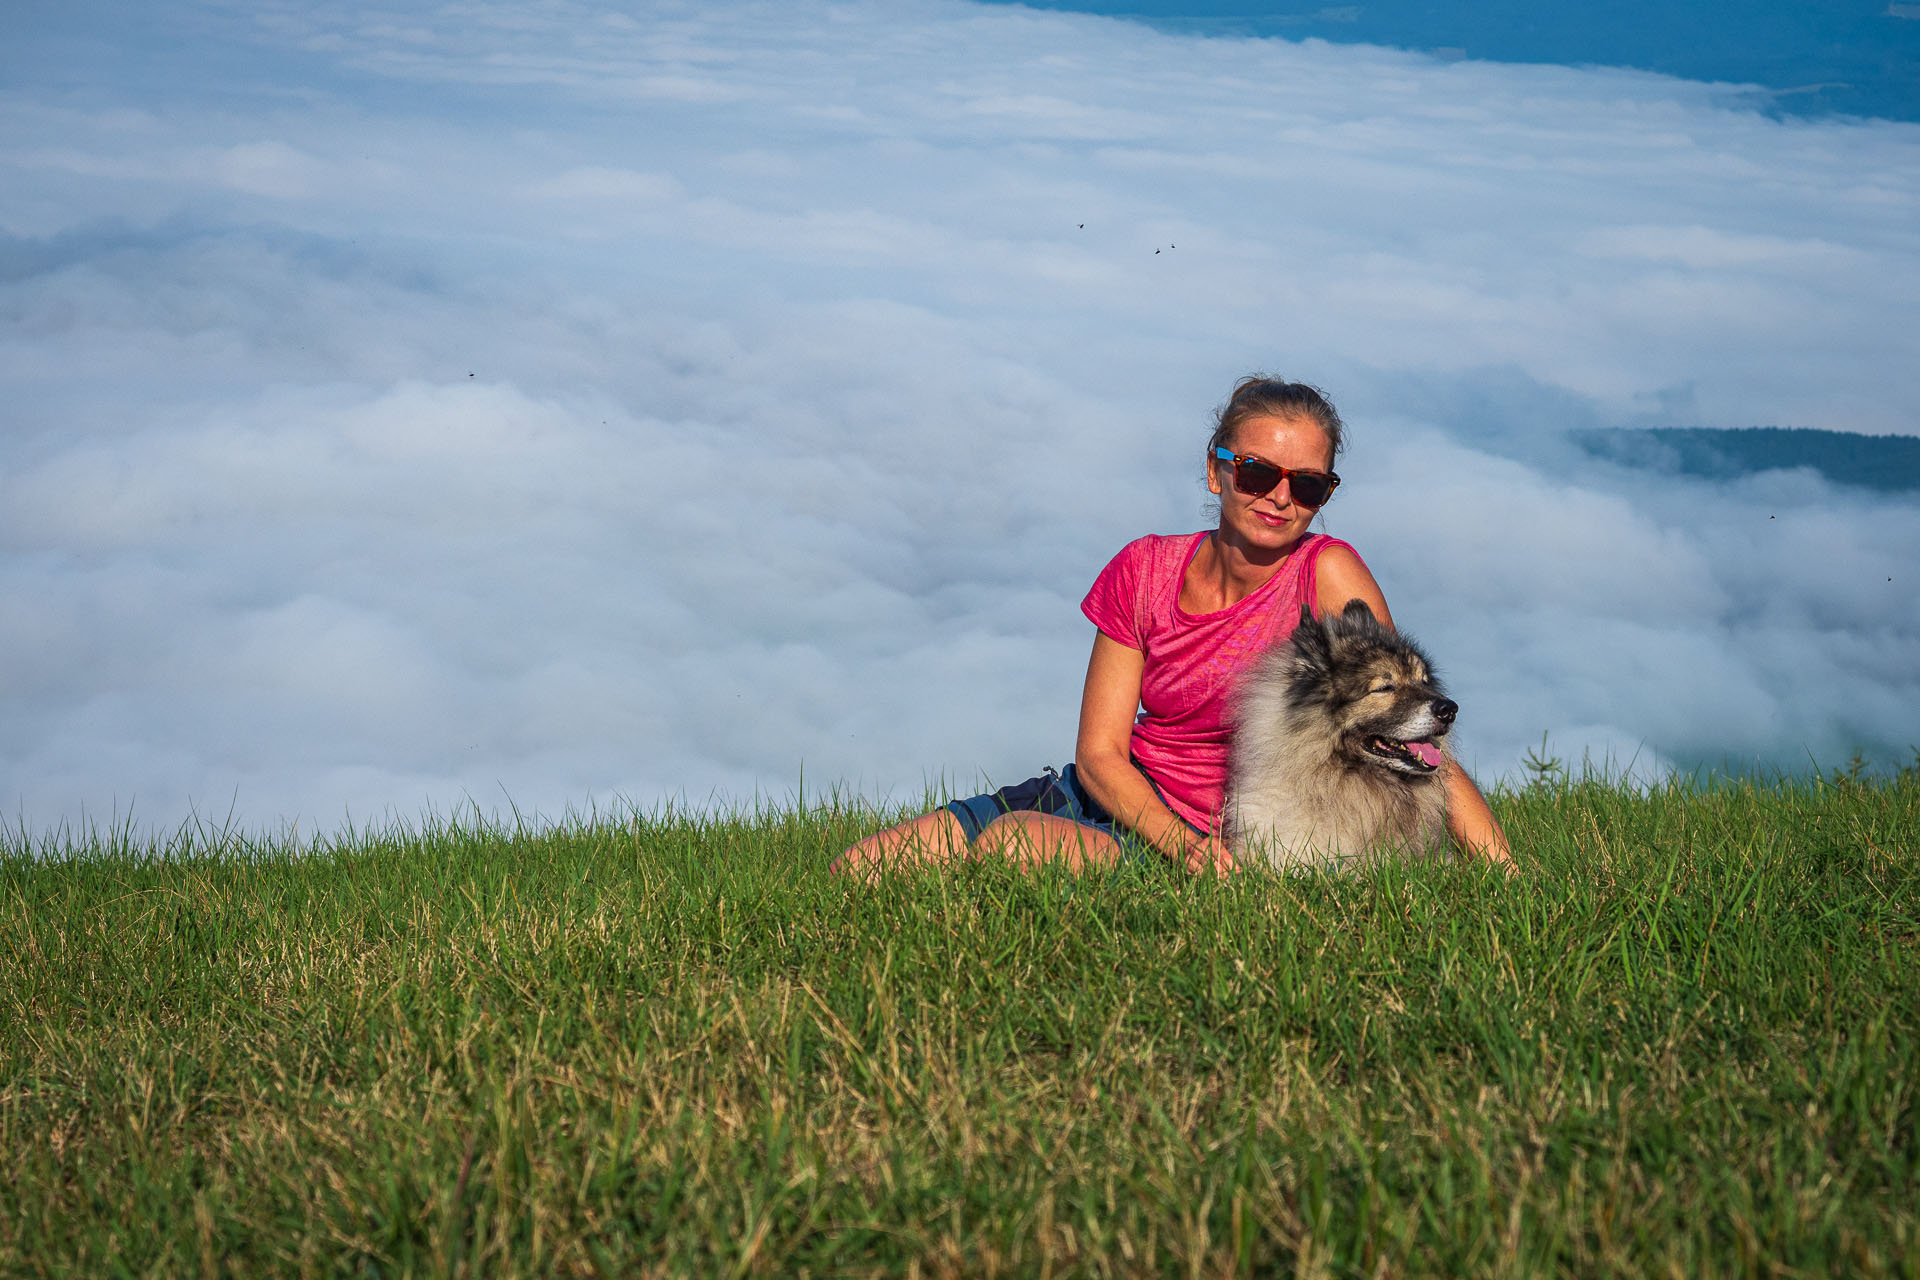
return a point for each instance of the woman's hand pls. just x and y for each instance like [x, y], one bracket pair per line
[1210, 856]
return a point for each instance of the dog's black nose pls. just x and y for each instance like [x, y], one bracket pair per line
[1445, 709]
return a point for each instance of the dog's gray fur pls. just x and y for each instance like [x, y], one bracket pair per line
[1320, 774]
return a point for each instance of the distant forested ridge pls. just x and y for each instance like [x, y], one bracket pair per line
[1889, 464]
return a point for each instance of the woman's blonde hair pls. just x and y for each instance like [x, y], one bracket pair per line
[1260, 396]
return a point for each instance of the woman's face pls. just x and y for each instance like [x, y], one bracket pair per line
[1273, 521]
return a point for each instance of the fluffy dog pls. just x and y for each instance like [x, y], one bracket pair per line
[1338, 747]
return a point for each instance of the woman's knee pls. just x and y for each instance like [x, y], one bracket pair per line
[931, 838]
[1007, 829]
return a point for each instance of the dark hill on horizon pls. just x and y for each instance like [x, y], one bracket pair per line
[1848, 57]
[1885, 464]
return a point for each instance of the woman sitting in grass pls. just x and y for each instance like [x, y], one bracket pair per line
[1178, 617]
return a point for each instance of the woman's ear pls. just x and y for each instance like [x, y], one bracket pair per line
[1213, 474]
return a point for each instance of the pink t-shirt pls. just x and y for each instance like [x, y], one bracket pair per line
[1180, 736]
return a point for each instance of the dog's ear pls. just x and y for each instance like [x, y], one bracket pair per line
[1311, 641]
[1357, 613]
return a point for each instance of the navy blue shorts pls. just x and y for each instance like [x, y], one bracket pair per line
[1060, 794]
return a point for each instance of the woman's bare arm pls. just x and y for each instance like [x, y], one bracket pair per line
[1338, 576]
[1102, 758]
[1472, 823]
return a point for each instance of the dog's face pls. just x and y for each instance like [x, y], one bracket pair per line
[1371, 690]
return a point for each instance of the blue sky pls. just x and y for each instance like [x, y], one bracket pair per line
[420, 404]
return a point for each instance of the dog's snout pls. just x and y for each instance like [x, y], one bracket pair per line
[1445, 709]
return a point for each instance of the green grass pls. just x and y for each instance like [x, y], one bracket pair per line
[1685, 1041]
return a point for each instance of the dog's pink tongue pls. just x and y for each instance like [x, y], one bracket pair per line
[1428, 753]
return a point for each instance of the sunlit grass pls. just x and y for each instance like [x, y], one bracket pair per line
[1686, 1039]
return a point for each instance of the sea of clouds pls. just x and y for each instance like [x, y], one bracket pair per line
[409, 405]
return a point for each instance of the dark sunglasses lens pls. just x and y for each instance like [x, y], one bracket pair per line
[1255, 478]
[1310, 491]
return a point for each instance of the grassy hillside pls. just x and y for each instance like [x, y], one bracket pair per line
[1686, 1039]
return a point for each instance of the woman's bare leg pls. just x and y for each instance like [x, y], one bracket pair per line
[1029, 839]
[930, 839]
[1024, 839]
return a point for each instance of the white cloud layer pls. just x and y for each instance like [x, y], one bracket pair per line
[407, 403]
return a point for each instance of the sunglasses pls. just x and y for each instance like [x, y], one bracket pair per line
[1256, 479]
